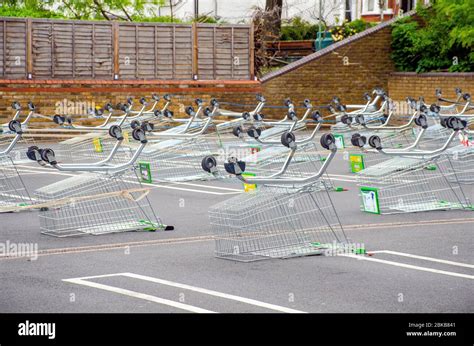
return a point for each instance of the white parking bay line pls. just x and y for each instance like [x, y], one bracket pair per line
[187, 287]
[409, 266]
[459, 264]
[139, 295]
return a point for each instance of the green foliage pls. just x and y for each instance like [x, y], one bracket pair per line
[445, 36]
[130, 10]
[298, 29]
[347, 29]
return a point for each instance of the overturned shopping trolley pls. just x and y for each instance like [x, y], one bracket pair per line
[414, 180]
[284, 217]
[99, 201]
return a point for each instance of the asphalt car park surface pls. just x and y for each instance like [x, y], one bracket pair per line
[420, 262]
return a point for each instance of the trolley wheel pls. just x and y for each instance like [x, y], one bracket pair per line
[59, 119]
[166, 97]
[116, 132]
[258, 117]
[367, 97]
[155, 97]
[147, 126]
[237, 130]
[254, 132]
[307, 103]
[423, 108]
[260, 98]
[31, 152]
[125, 107]
[158, 113]
[316, 116]
[214, 103]
[292, 115]
[246, 115]
[466, 96]
[207, 111]
[450, 122]
[442, 122]
[288, 102]
[345, 119]
[189, 110]
[341, 108]
[327, 140]
[139, 135]
[134, 124]
[14, 126]
[438, 93]
[47, 155]
[108, 106]
[435, 108]
[208, 162]
[336, 100]
[198, 102]
[375, 142]
[143, 101]
[358, 141]
[287, 138]
[16, 106]
[359, 119]
[458, 91]
[31, 106]
[130, 101]
[421, 121]
[230, 167]
[167, 113]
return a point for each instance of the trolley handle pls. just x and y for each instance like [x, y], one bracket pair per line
[48, 155]
[237, 167]
[454, 123]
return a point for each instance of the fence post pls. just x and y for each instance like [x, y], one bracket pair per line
[115, 45]
[29, 47]
[251, 52]
[195, 52]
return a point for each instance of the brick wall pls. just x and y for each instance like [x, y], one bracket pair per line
[403, 84]
[46, 94]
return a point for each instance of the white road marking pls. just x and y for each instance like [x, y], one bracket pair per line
[425, 258]
[139, 295]
[191, 288]
[409, 266]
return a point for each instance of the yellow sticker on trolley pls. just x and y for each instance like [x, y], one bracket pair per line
[249, 187]
[126, 137]
[98, 145]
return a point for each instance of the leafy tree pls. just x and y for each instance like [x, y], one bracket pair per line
[442, 39]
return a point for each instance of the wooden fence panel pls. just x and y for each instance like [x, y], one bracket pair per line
[13, 52]
[61, 49]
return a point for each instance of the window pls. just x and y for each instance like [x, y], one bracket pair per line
[370, 5]
[348, 10]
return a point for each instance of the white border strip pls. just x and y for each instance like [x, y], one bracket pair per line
[459, 264]
[82, 281]
[409, 266]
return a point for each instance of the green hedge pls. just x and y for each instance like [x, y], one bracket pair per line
[442, 41]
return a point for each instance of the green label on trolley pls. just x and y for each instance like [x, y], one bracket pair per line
[249, 187]
[98, 148]
[339, 141]
[145, 171]
[370, 199]
[357, 162]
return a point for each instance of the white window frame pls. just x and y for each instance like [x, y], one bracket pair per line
[376, 11]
